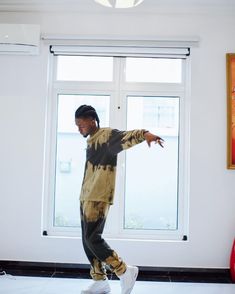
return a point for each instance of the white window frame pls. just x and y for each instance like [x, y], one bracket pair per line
[111, 88]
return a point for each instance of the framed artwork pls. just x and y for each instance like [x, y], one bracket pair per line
[230, 60]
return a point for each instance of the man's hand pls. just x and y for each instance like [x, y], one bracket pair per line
[149, 137]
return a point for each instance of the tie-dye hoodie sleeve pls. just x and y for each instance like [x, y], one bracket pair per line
[122, 140]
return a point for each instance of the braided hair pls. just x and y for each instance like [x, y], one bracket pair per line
[85, 111]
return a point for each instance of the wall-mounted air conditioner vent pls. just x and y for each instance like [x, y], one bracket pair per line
[19, 39]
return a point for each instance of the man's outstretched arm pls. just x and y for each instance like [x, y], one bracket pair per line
[123, 140]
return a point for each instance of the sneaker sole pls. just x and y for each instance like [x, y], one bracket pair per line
[89, 292]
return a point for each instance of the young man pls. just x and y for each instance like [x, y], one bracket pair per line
[97, 194]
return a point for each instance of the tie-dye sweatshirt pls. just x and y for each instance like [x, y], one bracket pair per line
[101, 161]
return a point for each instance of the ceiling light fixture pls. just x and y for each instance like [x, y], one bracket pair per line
[119, 3]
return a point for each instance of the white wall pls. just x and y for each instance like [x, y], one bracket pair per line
[23, 91]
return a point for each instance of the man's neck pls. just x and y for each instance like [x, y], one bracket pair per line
[93, 131]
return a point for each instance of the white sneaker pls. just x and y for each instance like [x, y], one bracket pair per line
[98, 287]
[128, 279]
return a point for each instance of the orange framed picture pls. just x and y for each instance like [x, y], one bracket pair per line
[230, 60]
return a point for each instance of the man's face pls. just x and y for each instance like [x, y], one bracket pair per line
[86, 126]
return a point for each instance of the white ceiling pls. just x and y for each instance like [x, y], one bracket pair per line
[92, 7]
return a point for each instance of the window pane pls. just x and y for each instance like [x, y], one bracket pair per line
[153, 70]
[70, 158]
[151, 195]
[85, 68]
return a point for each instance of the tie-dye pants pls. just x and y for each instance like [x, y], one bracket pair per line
[98, 252]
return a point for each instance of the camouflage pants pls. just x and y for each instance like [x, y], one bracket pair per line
[98, 252]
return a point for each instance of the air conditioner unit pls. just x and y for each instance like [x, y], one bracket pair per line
[21, 39]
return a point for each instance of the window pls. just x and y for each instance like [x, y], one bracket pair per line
[84, 68]
[151, 204]
[153, 70]
[70, 156]
[128, 93]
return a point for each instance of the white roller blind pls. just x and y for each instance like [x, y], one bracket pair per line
[114, 46]
[130, 51]
[124, 50]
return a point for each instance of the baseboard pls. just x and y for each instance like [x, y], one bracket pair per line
[166, 274]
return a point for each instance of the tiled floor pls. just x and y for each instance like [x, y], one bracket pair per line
[34, 285]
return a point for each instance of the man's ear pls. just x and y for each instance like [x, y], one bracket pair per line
[93, 122]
